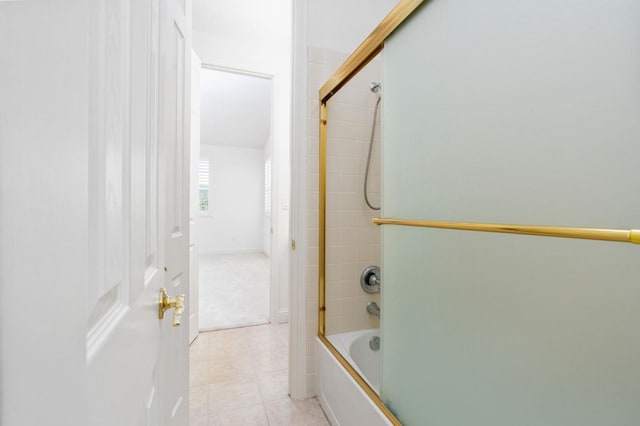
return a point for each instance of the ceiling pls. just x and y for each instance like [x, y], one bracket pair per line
[253, 19]
[235, 109]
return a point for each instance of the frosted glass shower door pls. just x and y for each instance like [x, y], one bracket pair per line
[521, 113]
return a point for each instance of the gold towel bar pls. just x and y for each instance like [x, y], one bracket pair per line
[619, 235]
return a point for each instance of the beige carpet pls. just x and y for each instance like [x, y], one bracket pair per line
[234, 290]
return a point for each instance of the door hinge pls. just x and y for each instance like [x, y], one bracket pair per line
[293, 244]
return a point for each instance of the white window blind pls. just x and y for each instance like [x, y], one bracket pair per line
[204, 186]
[267, 187]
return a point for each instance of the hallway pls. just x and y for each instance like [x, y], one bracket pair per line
[239, 377]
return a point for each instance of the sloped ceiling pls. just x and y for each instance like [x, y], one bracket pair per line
[235, 109]
[252, 19]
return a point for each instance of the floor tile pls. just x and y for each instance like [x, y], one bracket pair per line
[199, 349]
[274, 385]
[248, 416]
[199, 421]
[198, 372]
[198, 401]
[283, 330]
[268, 341]
[240, 377]
[227, 367]
[237, 393]
[266, 361]
[230, 344]
[295, 413]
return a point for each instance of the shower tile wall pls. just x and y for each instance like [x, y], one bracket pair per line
[353, 242]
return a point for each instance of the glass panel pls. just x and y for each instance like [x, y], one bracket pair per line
[352, 241]
[497, 112]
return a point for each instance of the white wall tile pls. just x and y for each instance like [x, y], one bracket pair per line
[352, 241]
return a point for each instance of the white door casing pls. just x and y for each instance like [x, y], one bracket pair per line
[89, 91]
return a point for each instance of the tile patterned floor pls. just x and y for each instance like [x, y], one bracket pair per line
[234, 290]
[239, 377]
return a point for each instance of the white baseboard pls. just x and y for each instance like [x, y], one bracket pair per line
[239, 251]
[282, 316]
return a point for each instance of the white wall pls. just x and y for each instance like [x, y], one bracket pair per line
[342, 25]
[272, 57]
[234, 224]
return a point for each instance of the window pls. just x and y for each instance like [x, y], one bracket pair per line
[203, 188]
[267, 187]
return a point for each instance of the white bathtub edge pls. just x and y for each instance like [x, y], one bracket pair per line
[345, 403]
[326, 408]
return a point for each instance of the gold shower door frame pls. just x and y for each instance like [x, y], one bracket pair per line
[369, 48]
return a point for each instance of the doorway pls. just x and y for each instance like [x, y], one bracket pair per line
[234, 198]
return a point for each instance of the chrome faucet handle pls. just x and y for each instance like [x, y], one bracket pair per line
[370, 279]
[374, 280]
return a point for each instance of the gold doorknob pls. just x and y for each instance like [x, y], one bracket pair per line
[166, 303]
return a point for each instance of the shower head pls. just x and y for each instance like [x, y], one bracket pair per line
[375, 87]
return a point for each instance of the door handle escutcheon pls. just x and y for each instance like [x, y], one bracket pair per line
[166, 303]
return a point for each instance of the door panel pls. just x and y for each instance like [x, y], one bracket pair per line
[109, 298]
[43, 212]
[151, 112]
[125, 237]
[85, 159]
[175, 45]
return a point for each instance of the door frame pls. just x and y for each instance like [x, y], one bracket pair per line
[299, 339]
[274, 316]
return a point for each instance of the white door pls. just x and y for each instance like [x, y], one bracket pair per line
[93, 186]
[175, 101]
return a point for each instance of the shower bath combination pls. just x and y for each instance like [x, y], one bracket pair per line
[375, 88]
[356, 343]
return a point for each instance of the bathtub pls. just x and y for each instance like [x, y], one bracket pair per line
[341, 398]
